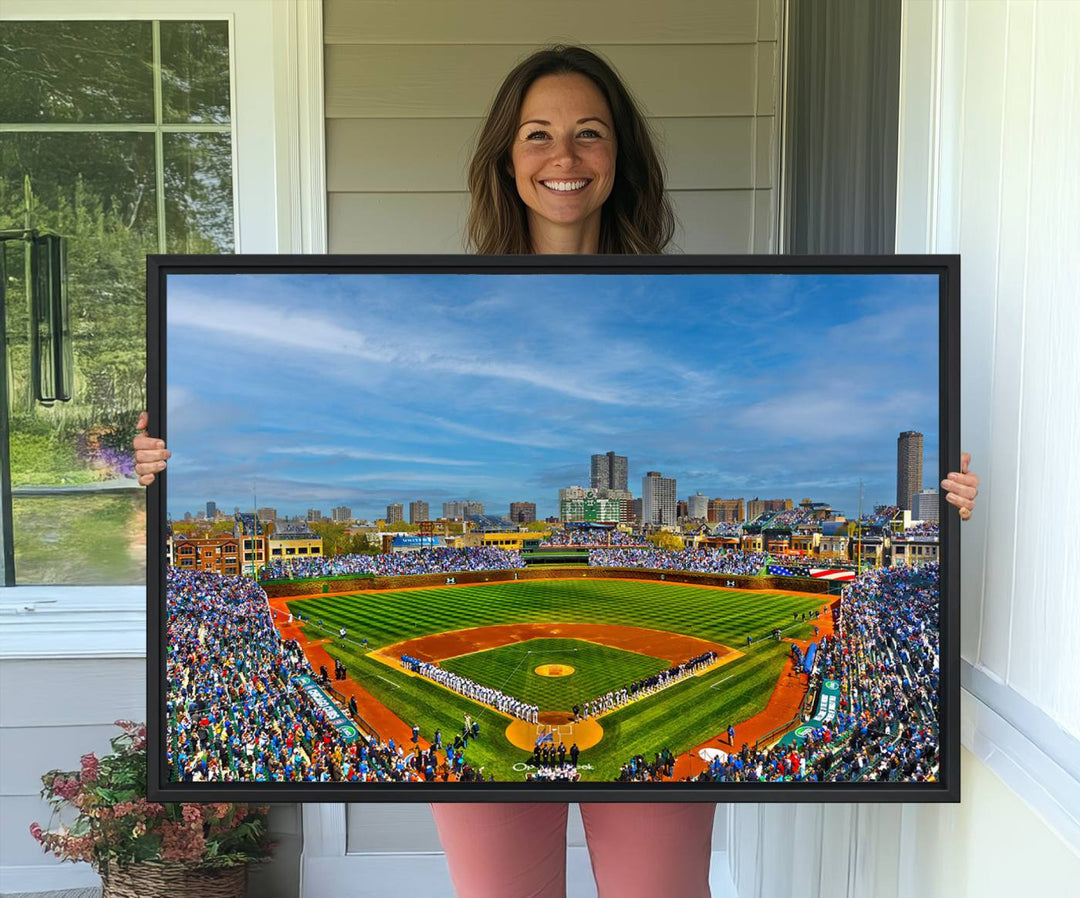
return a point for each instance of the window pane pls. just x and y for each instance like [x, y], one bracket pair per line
[81, 540]
[98, 191]
[76, 72]
[198, 193]
[195, 72]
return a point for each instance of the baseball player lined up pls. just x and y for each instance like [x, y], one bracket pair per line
[616, 698]
[498, 700]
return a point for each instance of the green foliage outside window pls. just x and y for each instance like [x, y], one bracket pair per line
[99, 185]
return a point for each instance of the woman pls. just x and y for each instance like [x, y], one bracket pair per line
[565, 164]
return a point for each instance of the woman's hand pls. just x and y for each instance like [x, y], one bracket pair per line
[961, 487]
[150, 453]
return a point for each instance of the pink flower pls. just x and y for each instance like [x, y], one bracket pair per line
[37, 832]
[221, 808]
[180, 842]
[149, 808]
[65, 788]
[89, 768]
[192, 813]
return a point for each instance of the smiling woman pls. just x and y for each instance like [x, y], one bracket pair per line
[563, 162]
[563, 117]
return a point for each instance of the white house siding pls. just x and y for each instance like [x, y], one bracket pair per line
[408, 82]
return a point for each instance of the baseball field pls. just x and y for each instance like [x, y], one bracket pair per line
[556, 643]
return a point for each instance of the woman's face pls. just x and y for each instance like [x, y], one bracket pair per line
[563, 154]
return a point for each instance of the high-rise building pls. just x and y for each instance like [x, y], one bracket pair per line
[457, 511]
[608, 472]
[909, 458]
[925, 505]
[267, 514]
[341, 514]
[757, 507]
[419, 511]
[727, 511]
[699, 507]
[395, 513]
[682, 509]
[211, 510]
[522, 512]
[658, 506]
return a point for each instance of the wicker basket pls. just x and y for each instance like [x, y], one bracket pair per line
[166, 880]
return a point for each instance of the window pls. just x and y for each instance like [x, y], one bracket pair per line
[117, 135]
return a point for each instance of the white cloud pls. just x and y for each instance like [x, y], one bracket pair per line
[364, 455]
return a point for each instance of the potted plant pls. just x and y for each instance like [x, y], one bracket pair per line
[142, 848]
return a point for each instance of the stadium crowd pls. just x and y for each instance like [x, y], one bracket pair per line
[703, 561]
[923, 528]
[590, 537]
[236, 716]
[436, 560]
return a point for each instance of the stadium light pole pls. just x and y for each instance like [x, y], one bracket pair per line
[858, 533]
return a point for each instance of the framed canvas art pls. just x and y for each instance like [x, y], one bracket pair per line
[553, 528]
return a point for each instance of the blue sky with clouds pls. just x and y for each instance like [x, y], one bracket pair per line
[317, 390]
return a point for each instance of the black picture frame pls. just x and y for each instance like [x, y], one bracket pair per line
[945, 789]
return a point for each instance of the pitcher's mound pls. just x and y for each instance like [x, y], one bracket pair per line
[586, 733]
[554, 670]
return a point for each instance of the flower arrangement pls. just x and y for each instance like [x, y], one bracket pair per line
[116, 825]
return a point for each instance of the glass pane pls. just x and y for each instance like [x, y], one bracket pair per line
[97, 190]
[198, 193]
[195, 71]
[76, 72]
[81, 540]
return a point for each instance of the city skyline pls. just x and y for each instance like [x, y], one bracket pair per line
[733, 385]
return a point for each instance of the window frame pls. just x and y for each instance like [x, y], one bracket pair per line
[276, 59]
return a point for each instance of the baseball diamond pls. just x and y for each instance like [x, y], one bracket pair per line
[651, 666]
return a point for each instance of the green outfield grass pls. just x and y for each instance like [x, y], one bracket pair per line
[597, 669]
[677, 718]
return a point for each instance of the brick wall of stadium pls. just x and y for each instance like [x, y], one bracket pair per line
[312, 587]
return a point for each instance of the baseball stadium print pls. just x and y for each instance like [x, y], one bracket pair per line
[469, 529]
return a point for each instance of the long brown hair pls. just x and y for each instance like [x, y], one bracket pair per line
[637, 216]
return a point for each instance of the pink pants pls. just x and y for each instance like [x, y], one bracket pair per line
[519, 850]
